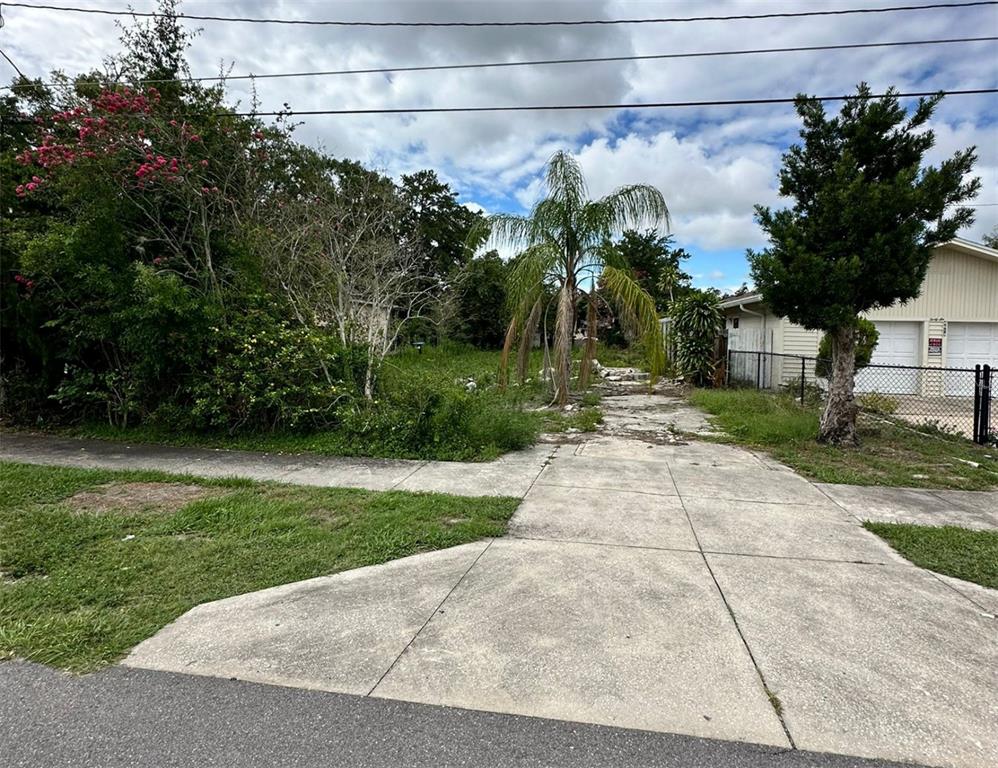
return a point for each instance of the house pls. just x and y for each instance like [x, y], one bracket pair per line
[953, 324]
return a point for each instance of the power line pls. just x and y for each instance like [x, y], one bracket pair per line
[568, 107]
[590, 60]
[11, 62]
[552, 23]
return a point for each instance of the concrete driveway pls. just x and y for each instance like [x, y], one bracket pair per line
[694, 589]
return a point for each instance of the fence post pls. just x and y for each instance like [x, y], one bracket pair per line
[803, 373]
[727, 369]
[986, 404]
[758, 370]
[978, 387]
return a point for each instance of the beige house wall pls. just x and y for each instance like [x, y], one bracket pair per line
[958, 287]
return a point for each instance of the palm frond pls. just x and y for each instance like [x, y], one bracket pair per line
[565, 181]
[589, 349]
[638, 315]
[507, 230]
[636, 206]
[528, 275]
[507, 347]
[527, 339]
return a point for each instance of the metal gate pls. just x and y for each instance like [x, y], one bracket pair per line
[983, 394]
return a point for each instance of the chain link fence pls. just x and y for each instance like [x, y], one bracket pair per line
[956, 401]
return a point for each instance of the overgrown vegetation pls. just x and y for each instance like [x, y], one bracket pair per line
[892, 454]
[93, 562]
[959, 552]
[178, 270]
[174, 265]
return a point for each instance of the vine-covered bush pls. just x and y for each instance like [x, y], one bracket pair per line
[268, 374]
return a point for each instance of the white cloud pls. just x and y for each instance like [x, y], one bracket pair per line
[712, 164]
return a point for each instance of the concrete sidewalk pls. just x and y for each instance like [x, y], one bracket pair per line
[510, 475]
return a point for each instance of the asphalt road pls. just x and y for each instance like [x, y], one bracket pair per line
[130, 718]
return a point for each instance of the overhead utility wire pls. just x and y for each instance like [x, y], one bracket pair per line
[551, 23]
[566, 107]
[589, 60]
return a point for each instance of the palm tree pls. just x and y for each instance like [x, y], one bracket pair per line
[565, 243]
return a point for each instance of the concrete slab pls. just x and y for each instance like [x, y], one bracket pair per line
[693, 452]
[91, 454]
[334, 633]
[785, 530]
[870, 660]
[630, 637]
[372, 474]
[611, 474]
[915, 505]
[984, 598]
[607, 517]
[983, 505]
[745, 483]
[469, 479]
[663, 417]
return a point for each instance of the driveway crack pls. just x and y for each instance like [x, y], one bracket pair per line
[770, 694]
[430, 617]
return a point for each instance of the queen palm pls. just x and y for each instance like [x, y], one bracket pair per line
[565, 245]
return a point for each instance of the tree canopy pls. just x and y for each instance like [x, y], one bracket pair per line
[859, 234]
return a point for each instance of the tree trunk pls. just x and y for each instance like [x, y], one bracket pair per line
[838, 422]
[563, 330]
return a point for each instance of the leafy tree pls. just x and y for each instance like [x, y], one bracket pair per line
[991, 239]
[564, 243]
[656, 265]
[481, 312]
[860, 232]
[439, 223]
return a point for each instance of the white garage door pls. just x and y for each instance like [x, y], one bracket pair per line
[898, 345]
[967, 345]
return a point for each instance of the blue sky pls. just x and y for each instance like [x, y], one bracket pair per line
[711, 164]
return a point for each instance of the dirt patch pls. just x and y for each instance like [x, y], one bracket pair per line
[138, 498]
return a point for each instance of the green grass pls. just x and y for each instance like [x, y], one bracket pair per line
[79, 588]
[888, 454]
[958, 552]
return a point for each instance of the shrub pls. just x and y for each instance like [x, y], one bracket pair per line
[696, 321]
[426, 419]
[813, 394]
[867, 337]
[266, 374]
[878, 403]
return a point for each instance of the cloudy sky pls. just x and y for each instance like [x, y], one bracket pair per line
[712, 164]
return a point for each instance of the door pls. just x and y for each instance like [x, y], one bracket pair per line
[967, 345]
[898, 345]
